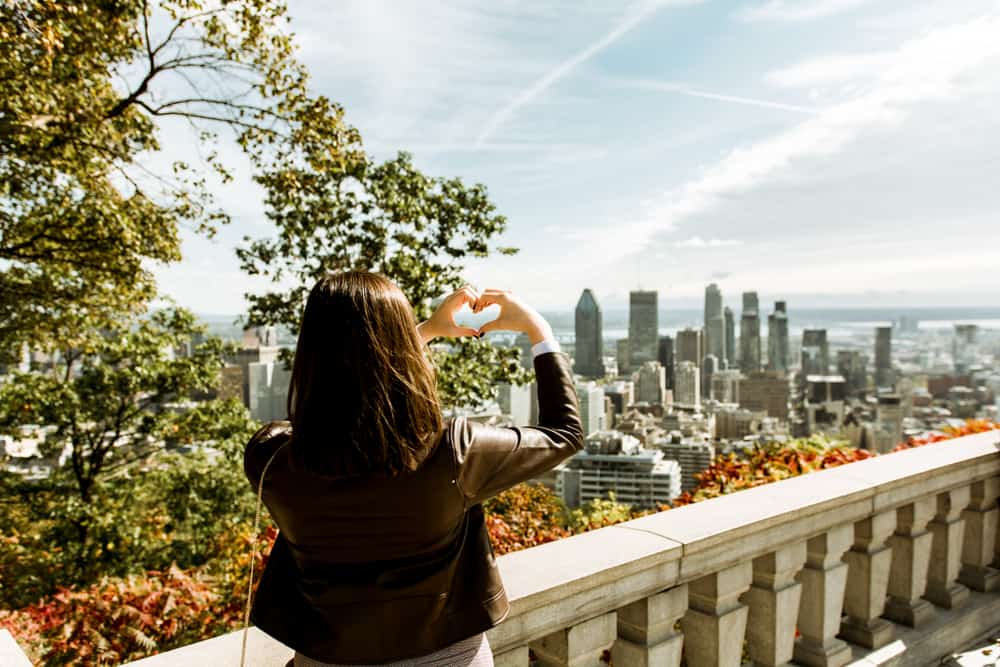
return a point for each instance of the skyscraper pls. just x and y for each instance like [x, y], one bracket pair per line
[883, 357]
[851, 365]
[650, 385]
[815, 352]
[590, 397]
[709, 367]
[963, 349]
[777, 338]
[750, 334]
[665, 355]
[688, 391]
[690, 346]
[589, 348]
[643, 325]
[715, 323]
[727, 315]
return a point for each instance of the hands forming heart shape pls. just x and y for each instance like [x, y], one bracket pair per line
[515, 315]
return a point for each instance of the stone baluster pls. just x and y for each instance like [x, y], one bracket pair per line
[578, 646]
[868, 563]
[980, 537]
[646, 634]
[823, 580]
[716, 620]
[774, 605]
[911, 556]
[515, 657]
[948, 528]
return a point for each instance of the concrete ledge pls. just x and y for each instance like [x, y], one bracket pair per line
[224, 651]
[11, 654]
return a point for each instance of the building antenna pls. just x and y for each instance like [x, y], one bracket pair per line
[638, 272]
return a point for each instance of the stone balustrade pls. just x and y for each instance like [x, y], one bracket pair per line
[892, 559]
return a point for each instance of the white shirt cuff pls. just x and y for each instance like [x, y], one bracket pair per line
[543, 346]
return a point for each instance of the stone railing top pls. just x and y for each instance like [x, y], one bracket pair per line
[559, 584]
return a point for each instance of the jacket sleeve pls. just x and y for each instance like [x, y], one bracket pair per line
[261, 447]
[490, 459]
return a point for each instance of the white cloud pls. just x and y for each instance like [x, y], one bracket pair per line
[684, 89]
[933, 67]
[698, 242]
[786, 11]
[831, 70]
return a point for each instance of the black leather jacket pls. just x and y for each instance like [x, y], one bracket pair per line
[376, 569]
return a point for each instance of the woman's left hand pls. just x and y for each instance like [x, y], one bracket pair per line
[442, 322]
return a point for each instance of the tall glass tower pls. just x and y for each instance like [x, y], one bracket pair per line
[715, 324]
[589, 347]
[643, 325]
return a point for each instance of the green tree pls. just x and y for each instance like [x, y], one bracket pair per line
[83, 89]
[335, 215]
[115, 409]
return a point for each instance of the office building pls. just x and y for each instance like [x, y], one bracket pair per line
[645, 427]
[715, 324]
[622, 356]
[665, 355]
[851, 365]
[964, 351]
[750, 334]
[692, 455]
[815, 352]
[727, 315]
[883, 357]
[888, 423]
[709, 367]
[268, 390]
[613, 462]
[824, 403]
[726, 386]
[688, 385]
[777, 338]
[622, 395]
[690, 346]
[765, 391]
[254, 354]
[591, 399]
[588, 351]
[643, 328]
[266, 336]
[734, 423]
[231, 384]
[518, 402]
[650, 383]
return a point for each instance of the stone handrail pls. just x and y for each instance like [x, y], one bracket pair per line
[884, 541]
[874, 556]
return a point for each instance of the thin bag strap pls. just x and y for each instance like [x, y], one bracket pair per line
[253, 553]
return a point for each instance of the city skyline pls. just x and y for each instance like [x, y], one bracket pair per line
[826, 151]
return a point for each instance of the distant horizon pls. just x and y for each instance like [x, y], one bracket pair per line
[766, 307]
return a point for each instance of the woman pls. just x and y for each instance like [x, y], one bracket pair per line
[383, 555]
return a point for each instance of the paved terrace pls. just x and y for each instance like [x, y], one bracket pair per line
[886, 561]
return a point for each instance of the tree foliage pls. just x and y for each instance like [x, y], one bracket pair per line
[84, 87]
[113, 410]
[343, 213]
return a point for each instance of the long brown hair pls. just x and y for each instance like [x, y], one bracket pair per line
[362, 395]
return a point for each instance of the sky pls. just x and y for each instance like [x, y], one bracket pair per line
[828, 152]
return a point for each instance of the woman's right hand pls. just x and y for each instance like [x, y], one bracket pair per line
[515, 315]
